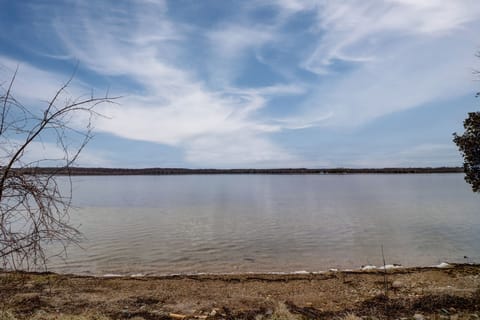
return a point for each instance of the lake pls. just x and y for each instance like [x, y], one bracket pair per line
[160, 225]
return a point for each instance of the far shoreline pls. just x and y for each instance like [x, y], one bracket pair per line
[86, 171]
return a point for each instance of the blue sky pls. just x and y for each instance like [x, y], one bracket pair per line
[261, 83]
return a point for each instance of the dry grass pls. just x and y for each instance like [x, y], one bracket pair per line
[281, 312]
[6, 315]
[351, 316]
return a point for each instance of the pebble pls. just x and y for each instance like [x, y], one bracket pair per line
[397, 284]
[418, 316]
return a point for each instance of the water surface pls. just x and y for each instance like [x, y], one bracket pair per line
[264, 223]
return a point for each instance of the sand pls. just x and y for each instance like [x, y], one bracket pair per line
[423, 293]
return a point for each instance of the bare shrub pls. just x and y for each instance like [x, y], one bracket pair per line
[33, 206]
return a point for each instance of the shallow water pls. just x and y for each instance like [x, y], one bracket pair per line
[265, 223]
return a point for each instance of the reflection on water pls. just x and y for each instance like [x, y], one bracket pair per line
[237, 223]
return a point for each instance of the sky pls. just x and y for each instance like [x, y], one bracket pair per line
[253, 84]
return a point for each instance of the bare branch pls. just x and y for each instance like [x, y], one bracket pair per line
[34, 207]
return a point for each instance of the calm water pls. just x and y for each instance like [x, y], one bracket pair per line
[237, 223]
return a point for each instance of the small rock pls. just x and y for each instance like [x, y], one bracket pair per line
[397, 284]
[213, 313]
[418, 316]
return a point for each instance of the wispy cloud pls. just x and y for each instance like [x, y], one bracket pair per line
[355, 30]
[422, 155]
[395, 53]
[174, 107]
[229, 45]
[32, 84]
[223, 92]
[46, 153]
[237, 150]
[41, 153]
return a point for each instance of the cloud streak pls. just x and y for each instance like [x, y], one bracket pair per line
[399, 54]
[226, 90]
[174, 107]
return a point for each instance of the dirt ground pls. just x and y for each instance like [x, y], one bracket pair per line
[412, 293]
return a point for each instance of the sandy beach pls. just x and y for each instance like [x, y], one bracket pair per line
[452, 292]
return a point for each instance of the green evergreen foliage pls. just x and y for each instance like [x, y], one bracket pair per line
[469, 145]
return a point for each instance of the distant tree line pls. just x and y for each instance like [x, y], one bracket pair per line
[80, 171]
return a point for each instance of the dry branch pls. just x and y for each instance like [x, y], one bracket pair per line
[34, 207]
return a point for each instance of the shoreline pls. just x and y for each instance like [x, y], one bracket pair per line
[430, 292]
[167, 275]
[367, 269]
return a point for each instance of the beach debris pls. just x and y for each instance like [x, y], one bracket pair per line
[390, 266]
[137, 275]
[368, 268]
[177, 316]
[418, 316]
[301, 272]
[112, 275]
[443, 265]
[385, 267]
[308, 312]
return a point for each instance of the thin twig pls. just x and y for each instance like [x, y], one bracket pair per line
[33, 207]
[385, 283]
